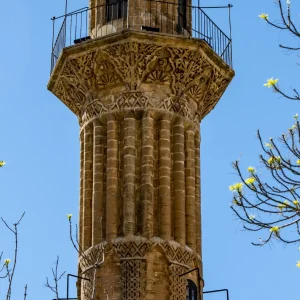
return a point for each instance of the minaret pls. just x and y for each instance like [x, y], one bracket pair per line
[140, 76]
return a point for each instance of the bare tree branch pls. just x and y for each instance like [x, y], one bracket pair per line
[25, 292]
[273, 207]
[56, 279]
[9, 273]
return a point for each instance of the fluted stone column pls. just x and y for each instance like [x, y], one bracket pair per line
[147, 191]
[98, 178]
[87, 187]
[190, 189]
[129, 158]
[81, 137]
[165, 177]
[179, 182]
[197, 193]
[112, 180]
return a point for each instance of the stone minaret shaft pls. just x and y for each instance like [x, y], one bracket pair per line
[139, 97]
[140, 173]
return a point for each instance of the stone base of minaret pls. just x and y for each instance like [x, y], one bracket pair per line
[139, 268]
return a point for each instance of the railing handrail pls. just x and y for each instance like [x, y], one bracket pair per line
[206, 29]
[212, 21]
[158, 1]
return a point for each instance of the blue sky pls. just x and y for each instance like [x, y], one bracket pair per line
[40, 142]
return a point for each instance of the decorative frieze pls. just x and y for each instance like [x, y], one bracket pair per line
[137, 73]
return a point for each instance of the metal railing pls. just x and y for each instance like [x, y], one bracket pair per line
[156, 16]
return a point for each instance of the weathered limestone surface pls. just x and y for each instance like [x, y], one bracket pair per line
[139, 99]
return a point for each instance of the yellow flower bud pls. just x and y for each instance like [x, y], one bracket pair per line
[271, 82]
[274, 229]
[264, 16]
[6, 262]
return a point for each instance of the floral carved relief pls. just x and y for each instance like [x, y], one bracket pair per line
[195, 84]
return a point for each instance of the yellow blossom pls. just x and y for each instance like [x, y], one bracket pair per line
[298, 161]
[274, 229]
[281, 206]
[252, 217]
[296, 116]
[269, 145]
[251, 170]
[296, 202]
[69, 216]
[298, 264]
[271, 82]
[274, 159]
[250, 180]
[264, 16]
[6, 262]
[2, 163]
[236, 187]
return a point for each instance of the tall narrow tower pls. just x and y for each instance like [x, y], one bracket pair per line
[140, 75]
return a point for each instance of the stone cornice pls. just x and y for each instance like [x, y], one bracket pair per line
[140, 70]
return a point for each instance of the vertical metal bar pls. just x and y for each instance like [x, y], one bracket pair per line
[71, 30]
[202, 24]
[213, 35]
[66, 7]
[80, 25]
[206, 29]
[198, 19]
[86, 23]
[52, 50]
[217, 40]
[230, 35]
[65, 30]
[75, 27]
[219, 43]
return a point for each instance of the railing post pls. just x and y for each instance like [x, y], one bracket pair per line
[75, 276]
[52, 54]
[230, 33]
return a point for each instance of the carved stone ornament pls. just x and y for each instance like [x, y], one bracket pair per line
[133, 256]
[134, 71]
